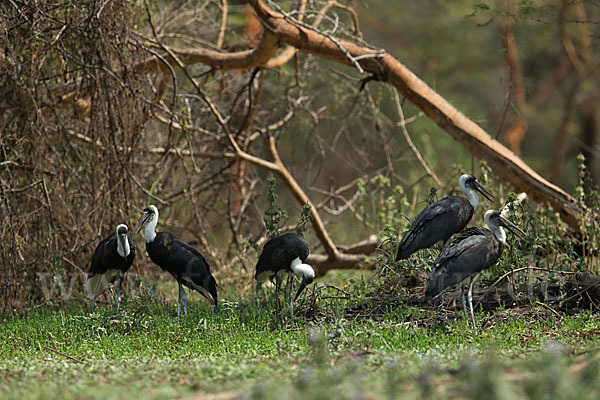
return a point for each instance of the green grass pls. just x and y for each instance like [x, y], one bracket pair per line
[62, 352]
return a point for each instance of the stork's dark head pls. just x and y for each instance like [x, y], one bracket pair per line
[122, 242]
[494, 219]
[150, 214]
[468, 182]
[122, 230]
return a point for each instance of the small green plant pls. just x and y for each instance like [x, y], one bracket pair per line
[304, 222]
[275, 217]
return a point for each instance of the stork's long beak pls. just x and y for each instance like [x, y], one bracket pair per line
[512, 227]
[122, 239]
[484, 192]
[303, 285]
[143, 221]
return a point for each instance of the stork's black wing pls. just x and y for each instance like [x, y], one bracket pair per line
[279, 252]
[436, 222]
[189, 248]
[473, 251]
[191, 269]
[99, 263]
[107, 264]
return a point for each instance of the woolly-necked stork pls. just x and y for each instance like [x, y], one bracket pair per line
[112, 258]
[466, 256]
[181, 260]
[285, 254]
[442, 219]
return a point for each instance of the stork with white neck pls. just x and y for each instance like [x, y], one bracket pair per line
[282, 254]
[178, 258]
[466, 256]
[444, 218]
[111, 260]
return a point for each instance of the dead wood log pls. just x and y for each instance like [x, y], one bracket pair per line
[580, 291]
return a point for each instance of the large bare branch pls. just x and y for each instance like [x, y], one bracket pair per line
[216, 59]
[503, 161]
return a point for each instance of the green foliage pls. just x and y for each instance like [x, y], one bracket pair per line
[304, 221]
[275, 217]
[379, 204]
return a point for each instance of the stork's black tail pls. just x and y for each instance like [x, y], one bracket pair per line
[211, 287]
[199, 278]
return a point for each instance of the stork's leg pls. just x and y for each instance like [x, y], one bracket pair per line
[277, 305]
[291, 294]
[184, 300]
[179, 304]
[471, 302]
[119, 291]
[94, 303]
[464, 304]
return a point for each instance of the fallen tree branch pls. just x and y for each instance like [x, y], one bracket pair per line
[577, 291]
[366, 246]
[324, 263]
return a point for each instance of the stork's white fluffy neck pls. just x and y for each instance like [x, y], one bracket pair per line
[302, 270]
[123, 245]
[469, 193]
[150, 229]
[497, 230]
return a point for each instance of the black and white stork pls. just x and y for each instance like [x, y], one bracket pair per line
[282, 254]
[111, 259]
[442, 219]
[178, 258]
[471, 252]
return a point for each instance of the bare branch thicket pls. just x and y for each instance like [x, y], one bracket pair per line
[60, 196]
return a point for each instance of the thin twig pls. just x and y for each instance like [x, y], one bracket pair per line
[138, 184]
[328, 286]
[339, 45]
[66, 355]
[504, 113]
[22, 189]
[402, 125]
[223, 25]
[547, 307]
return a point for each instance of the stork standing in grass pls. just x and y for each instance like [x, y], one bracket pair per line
[443, 218]
[111, 260]
[283, 254]
[475, 250]
[178, 258]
